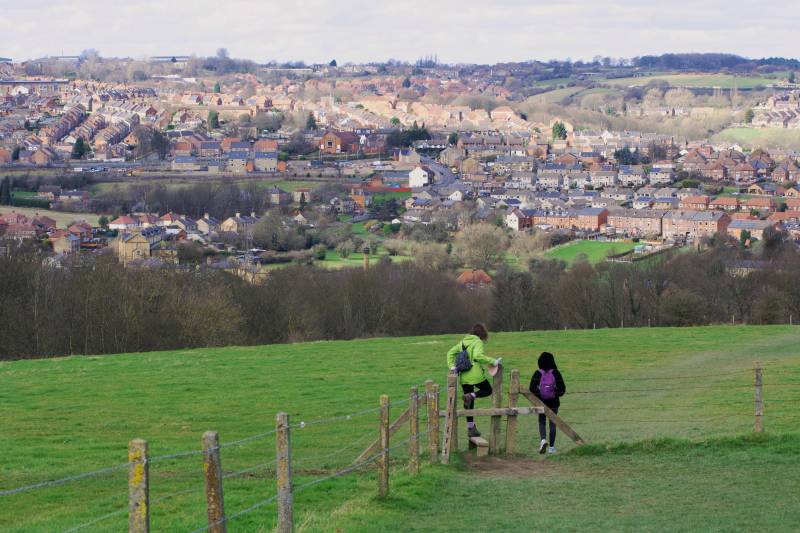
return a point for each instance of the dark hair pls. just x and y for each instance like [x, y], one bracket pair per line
[547, 361]
[480, 331]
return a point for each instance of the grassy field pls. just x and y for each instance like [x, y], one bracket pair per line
[595, 251]
[725, 81]
[66, 416]
[760, 137]
[62, 218]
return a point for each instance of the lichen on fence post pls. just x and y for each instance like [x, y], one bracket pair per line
[283, 456]
[138, 487]
[212, 468]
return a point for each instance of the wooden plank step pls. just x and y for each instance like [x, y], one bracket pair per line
[497, 411]
[480, 445]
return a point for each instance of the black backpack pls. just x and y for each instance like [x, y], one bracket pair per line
[463, 362]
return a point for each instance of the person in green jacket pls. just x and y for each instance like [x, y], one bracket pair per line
[475, 377]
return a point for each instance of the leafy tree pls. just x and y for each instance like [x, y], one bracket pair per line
[213, 120]
[749, 115]
[103, 221]
[79, 149]
[217, 88]
[406, 83]
[302, 201]
[395, 121]
[320, 252]
[311, 122]
[452, 138]
[559, 131]
[791, 77]
[744, 237]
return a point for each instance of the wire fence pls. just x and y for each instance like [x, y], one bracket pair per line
[331, 447]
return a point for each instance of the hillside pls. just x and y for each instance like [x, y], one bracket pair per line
[70, 415]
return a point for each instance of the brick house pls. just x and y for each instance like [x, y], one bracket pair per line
[646, 222]
[339, 142]
[694, 224]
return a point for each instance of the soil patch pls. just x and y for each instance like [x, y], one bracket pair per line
[520, 467]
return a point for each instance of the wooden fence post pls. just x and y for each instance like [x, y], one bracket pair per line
[451, 420]
[759, 400]
[433, 418]
[383, 459]
[138, 487]
[212, 467]
[511, 420]
[413, 428]
[283, 454]
[497, 401]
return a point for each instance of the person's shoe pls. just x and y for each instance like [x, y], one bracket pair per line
[543, 446]
[551, 449]
[468, 401]
[473, 432]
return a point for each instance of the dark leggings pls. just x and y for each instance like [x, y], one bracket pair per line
[543, 422]
[484, 389]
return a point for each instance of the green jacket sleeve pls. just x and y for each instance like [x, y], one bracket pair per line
[479, 357]
[451, 355]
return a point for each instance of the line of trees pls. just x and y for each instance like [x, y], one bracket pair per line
[95, 306]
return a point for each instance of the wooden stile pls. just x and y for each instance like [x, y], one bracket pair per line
[559, 422]
[451, 420]
[433, 421]
[511, 421]
[413, 428]
[497, 402]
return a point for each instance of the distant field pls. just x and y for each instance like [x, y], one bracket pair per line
[595, 251]
[725, 81]
[760, 137]
[554, 96]
[62, 218]
[625, 387]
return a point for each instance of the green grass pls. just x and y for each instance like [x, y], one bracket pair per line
[62, 218]
[65, 416]
[388, 195]
[725, 81]
[760, 137]
[595, 251]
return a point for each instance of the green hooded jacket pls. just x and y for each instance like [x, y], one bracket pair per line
[474, 346]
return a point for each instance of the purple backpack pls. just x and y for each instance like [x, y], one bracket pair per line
[547, 385]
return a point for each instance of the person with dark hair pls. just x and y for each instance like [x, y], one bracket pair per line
[547, 384]
[475, 377]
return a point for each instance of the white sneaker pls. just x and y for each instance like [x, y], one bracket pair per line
[543, 446]
[551, 449]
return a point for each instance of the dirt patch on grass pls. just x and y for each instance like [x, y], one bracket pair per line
[518, 467]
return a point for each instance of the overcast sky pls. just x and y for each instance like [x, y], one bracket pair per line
[469, 31]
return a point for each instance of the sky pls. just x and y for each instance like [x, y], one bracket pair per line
[463, 31]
